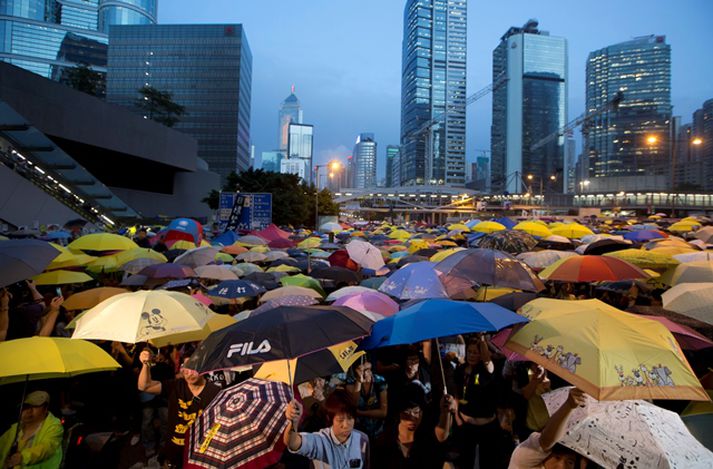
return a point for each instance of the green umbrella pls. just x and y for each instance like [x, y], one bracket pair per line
[301, 280]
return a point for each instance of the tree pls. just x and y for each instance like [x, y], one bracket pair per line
[159, 106]
[212, 199]
[82, 78]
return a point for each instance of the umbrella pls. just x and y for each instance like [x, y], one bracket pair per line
[249, 268]
[337, 274]
[373, 283]
[541, 259]
[572, 230]
[185, 229]
[506, 222]
[705, 234]
[123, 257]
[225, 239]
[693, 272]
[102, 242]
[134, 280]
[513, 242]
[514, 300]
[405, 260]
[290, 290]
[284, 332]
[168, 270]
[426, 320]
[67, 259]
[290, 300]
[344, 291]
[103, 264]
[275, 255]
[606, 352]
[214, 323]
[341, 258]
[413, 281]
[603, 246]
[643, 236]
[305, 281]
[532, 228]
[592, 269]
[251, 257]
[370, 302]
[214, 272]
[330, 227]
[365, 254]
[464, 269]
[440, 255]
[241, 427]
[89, 298]
[691, 299]
[252, 240]
[629, 434]
[264, 279]
[698, 417]
[234, 249]
[61, 277]
[488, 227]
[21, 259]
[559, 243]
[142, 315]
[684, 227]
[645, 259]
[196, 257]
[687, 338]
[232, 289]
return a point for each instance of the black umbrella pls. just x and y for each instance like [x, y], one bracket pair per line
[76, 223]
[513, 242]
[410, 259]
[606, 245]
[232, 289]
[337, 274]
[172, 254]
[555, 245]
[284, 261]
[285, 332]
[425, 252]
[21, 259]
[265, 279]
[296, 253]
[514, 301]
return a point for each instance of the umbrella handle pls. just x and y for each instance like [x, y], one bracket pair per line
[440, 364]
[19, 417]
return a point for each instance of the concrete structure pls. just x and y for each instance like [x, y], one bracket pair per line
[364, 161]
[433, 86]
[206, 67]
[61, 146]
[271, 161]
[290, 113]
[530, 105]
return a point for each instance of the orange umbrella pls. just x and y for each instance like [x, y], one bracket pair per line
[90, 298]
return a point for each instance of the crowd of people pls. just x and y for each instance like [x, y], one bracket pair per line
[456, 402]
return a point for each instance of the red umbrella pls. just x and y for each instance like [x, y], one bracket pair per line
[592, 269]
[687, 338]
[340, 258]
[281, 243]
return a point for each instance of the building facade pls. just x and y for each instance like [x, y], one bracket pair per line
[694, 151]
[364, 161]
[433, 92]
[530, 105]
[290, 113]
[47, 37]
[206, 67]
[631, 142]
[296, 166]
[271, 161]
[393, 161]
[300, 145]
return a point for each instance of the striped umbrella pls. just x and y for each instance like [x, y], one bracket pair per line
[242, 427]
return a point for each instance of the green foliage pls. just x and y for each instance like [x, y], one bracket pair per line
[159, 106]
[82, 78]
[212, 199]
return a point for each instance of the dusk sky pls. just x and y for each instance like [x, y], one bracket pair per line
[344, 57]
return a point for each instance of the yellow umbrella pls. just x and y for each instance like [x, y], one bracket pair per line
[655, 217]
[215, 322]
[61, 277]
[284, 268]
[691, 220]
[609, 354]
[260, 249]
[554, 224]
[183, 244]
[102, 242]
[224, 257]
[535, 229]
[488, 227]
[458, 227]
[396, 248]
[36, 358]
[312, 242]
[70, 260]
[399, 234]
[684, 227]
[645, 259]
[572, 230]
[440, 255]
[344, 354]
[489, 293]
[674, 250]
[447, 243]
[90, 298]
[138, 253]
[103, 264]
[418, 244]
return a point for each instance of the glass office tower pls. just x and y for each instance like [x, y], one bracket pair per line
[113, 12]
[433, 86]
[300, 139]
[206, 67]
[392, 165]
[290, 113]
[48, 36]
[364, 161]
[616, 142]
[528, 105]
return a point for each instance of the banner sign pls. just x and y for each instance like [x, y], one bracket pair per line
[244, 211]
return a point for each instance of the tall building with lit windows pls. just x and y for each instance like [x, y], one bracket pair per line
[433, 87]
[290, 113]
[364, 173]
[47, 37]
[629, 147]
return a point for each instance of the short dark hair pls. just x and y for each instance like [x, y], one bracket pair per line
[340, 401]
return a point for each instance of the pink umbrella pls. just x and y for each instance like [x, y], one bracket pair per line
[202, 298]
[372, 302]
[499, 341]
[687, 338]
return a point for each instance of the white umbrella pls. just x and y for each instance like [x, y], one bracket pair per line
[331, 227]
[275, 255]
[251, 257]
[365, 254]
[542, 259]
[629, 434]
[137, 265]
[335, 295]
[694, 300]
[694, 256]
[215, 272]
[202, 255]
[693, 272]
[142, 315]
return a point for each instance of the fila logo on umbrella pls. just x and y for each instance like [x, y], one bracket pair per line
[246, 348]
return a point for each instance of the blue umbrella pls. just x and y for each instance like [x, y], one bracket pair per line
[59, 234]
[643, 235]
[506, 222]
[231, 289]
[412, 281]
[226, 239]
[431, 319]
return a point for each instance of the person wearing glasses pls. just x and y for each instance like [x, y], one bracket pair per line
[187, 397]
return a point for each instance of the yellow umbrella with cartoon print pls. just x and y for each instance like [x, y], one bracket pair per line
[609, 354]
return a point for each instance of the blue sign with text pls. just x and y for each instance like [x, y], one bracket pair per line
[255, 212]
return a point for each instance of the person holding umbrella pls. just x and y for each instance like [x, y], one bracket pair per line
[38, 441]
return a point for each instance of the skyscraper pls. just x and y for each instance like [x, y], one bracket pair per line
[628, 147]
[433, 86]
[290, 113]
[364, 161]
[300, 138]
[271, 161]
[392, 165]
[530, 105]
[206, 67]
[48, 36]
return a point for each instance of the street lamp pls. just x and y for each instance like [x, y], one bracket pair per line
[334, 166]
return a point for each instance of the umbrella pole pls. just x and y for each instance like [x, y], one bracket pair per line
[440, 364]
[289, 378]
[19, 417]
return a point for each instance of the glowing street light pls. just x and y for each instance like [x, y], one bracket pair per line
[696, 141]
[652, 139]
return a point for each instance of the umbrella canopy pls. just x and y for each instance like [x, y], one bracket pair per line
[592, 269]
[629, 434]
[687, 338]
[252, 240]
[555, 242]
[426, 320]
[464, 269]
[51, 357]
[185, 229]
[232, 289]
[414, 281]
[241, 427]
[167, 270]
[369, 302]
[290, 290]
[513, 242]
[202, 255]
[90, 298]
[330, 227]
[341, 258]
[684, 227]
[572, 231]
[488, 227]
[215, 272]
[234, 249]
[129, 255]
[365, 254]
[225, 239]
[440, 255]
[102, 242]
[142, 315]
[290, 300]
[137, 265]
[541, 259]
[603, 246]
[344, 291]
[305, 281]
[275, 255]
[693, 272]
[532, 228]
[705, 234]
[691, 299]
[21, 259]
[284, 332]
[214, 323]
[514, 300]
[645, 259]
[642, 236]
[251, 257]
[61, 277]
[337, 274]
[606, 352]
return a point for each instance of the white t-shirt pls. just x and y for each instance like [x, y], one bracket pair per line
[529, 454]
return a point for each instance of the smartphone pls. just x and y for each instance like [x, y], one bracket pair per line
[58, 291]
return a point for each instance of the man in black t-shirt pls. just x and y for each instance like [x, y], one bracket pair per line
[187, 398]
